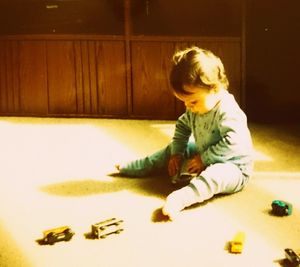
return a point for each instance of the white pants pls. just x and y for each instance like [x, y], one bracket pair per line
[217, 178]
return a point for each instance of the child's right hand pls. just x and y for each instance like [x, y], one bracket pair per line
[174, 164]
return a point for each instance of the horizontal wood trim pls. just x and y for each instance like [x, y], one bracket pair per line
[62, 37]
[148, 38]
[154, 38]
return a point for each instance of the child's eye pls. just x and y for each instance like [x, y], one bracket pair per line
[194, 102]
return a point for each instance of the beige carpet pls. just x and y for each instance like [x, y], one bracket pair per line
[54, 172]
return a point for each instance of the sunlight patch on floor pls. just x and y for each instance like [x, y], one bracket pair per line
[260, 156]
[166, 128]
[77, 151]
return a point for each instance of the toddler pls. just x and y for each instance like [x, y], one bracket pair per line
[221, 152]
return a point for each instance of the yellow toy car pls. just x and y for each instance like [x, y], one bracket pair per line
[63, 233]
[237, 244]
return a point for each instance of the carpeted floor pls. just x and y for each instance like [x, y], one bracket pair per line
[54, 172]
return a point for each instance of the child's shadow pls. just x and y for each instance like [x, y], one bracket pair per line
[154, 186]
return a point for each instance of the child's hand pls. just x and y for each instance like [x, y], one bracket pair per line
[196, 165]
[174, 164]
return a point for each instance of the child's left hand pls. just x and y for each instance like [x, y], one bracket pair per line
[196, 165]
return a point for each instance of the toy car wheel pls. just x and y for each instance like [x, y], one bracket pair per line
[50, 239]
[68, 237]
[95, 234]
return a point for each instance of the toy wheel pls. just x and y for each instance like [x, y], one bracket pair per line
[50, 239]
[68, 235]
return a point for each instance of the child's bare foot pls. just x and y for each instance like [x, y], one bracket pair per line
[177, 201]
[171, 213]
[173, 206]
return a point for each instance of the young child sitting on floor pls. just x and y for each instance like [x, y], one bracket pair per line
[221, 153]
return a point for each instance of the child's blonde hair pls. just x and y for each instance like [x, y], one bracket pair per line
[197, 67]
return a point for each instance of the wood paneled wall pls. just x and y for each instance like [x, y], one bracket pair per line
[69, 77]
[111, 58]
[77, 77]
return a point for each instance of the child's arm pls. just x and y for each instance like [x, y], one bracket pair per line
[181, 135]
[235, 142]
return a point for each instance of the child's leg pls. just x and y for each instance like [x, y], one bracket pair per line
[218, 178]
[215, 179]
[148, 165]
[154, 163]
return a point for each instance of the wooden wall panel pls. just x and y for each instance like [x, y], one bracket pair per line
[180, 107]
[230, 54]
[85, 77]
[79, 66]
[151, 93]
[88, 77]
[3, 86]
[111, 77]
[33, 77]
[9, 85]
[61, 77]
[91, 78]
[150, 74]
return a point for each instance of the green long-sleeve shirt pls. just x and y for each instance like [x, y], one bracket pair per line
[221, 135]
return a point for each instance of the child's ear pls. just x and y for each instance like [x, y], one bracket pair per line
[214, 88]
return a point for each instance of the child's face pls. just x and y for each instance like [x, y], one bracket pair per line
[198, 101]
